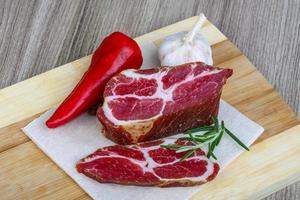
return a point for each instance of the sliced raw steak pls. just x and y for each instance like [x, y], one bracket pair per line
[142, 105]
[147, 164]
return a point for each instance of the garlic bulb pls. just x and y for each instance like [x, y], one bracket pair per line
[185, 47]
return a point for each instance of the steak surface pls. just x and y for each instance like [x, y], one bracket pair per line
[142, 105]
[147, 164]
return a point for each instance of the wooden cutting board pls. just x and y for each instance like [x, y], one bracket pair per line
[273, 162]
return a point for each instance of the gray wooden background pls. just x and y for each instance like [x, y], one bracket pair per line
[36, 36]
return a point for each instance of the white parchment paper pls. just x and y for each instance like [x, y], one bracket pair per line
[69, 143]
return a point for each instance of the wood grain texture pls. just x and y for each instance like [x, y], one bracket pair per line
[36, 36]
[39, 93]
[228, 185]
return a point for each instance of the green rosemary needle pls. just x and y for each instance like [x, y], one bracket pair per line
[209, 135]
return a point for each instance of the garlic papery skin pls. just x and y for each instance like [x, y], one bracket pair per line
[186, 47]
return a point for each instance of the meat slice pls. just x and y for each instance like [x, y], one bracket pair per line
[147, 164]
[142, 105]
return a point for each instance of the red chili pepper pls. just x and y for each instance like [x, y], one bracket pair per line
[116, 53]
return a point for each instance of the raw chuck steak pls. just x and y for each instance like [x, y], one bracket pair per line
[147, 164]
[142, 105]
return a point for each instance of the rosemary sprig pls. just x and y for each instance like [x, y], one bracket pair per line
[206, 135]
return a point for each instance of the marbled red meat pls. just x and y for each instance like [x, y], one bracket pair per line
[142, 105]
[147, 164]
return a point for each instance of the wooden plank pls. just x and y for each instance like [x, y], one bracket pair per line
[27, 98]
[248, 91]
[269, 166]
[12, 135]
[32, 175]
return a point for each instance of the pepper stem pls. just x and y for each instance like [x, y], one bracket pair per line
[190, 35]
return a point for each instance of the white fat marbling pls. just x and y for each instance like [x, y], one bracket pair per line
[165, 94]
